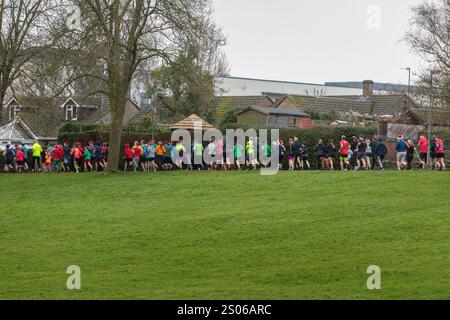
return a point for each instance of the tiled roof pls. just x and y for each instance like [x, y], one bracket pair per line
[440, 117]
[276, 111]
[373, 105]
[240, 102]
[45, 115]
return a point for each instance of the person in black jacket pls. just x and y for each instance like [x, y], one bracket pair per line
[380, 152]
[320, 153]
[331, 151]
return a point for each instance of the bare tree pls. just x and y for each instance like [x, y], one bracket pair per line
[429, 36]
[28, 28]
[124, 34]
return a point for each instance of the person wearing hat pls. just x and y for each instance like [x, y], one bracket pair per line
[423, 150]
[401, 148]
[440, 154]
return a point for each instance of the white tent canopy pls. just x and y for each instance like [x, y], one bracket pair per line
[16, 132]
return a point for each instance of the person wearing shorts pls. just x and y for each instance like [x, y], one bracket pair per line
[423, 150]
[291, 155]
[305, 158]
[361, 154]
[20, 160]
[344, 151]
[401, 153]
[87, 159]
[440, 154]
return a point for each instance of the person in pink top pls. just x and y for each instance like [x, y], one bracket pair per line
[219, 150]
[20, 159]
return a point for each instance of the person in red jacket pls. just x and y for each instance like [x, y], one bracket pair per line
[128, 157]
[440, 154]
[423, 150]
[20, 159]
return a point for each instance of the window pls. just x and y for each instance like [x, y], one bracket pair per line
[13, 110]
[293, 122]
[71, 112]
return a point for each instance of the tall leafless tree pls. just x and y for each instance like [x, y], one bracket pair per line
[429, 36]
[28, 28]
[124, 34]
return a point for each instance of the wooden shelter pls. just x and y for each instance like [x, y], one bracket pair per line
[191, 123]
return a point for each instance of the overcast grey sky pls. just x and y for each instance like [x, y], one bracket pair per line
[317, 40]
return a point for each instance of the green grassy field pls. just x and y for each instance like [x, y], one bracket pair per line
[226, 235]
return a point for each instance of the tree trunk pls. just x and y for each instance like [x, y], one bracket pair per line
[118, 105]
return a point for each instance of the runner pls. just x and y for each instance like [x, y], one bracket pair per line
[380, 152]
[128, 156]
[37, 157]
[145, 160]
[410, 150]
[198, 156]
[305, 157]
[76, 155]
[160, 152]
[331, 151]
[423, 151]
[87, 159]
[344, 153]
[67, 157]
[137, 154]
[369, 153]
[361, 154]
[25, 156]
[320, 153]
[440, 154]
[238, 154]
[20, 160]
[401, 153]
[8, 155]
[291, 157]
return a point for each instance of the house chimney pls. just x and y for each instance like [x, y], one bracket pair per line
[368, 88]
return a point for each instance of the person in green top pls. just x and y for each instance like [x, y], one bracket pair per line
[37, 159]
[87, 159]
[180, 151]
[250, 149]
[267, 151]
[238, 153]
[198, 156]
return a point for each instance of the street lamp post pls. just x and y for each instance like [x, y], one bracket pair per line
[409, 80]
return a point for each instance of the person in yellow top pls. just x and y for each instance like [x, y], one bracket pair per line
[37, 156]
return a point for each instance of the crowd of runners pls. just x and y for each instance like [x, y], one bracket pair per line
[354, 153]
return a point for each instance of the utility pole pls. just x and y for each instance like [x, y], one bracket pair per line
[430, 116]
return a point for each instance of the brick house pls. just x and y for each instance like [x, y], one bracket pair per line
[43, 117]
[274, 118]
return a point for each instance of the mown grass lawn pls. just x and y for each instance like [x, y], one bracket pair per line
[226, 235]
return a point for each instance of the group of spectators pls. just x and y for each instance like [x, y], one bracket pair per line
[356, 153]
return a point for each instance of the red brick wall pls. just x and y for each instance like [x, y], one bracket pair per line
[306, 123]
